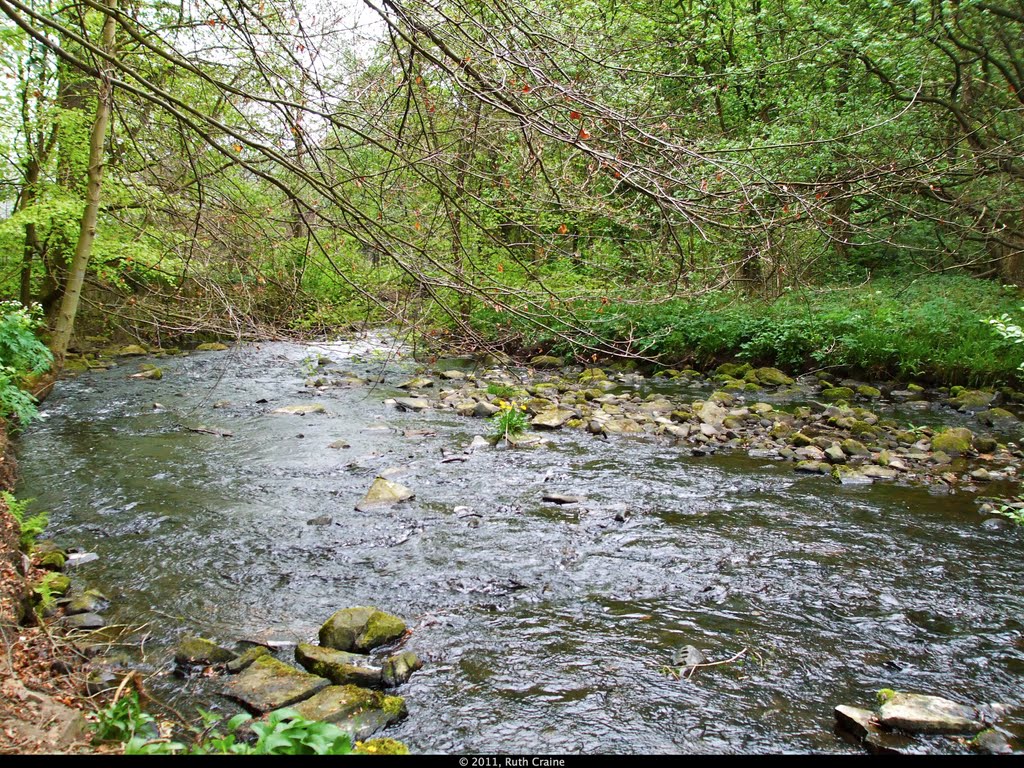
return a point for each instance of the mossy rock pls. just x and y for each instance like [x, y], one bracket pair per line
[836, 394]
[773, 377]
[380, 746]
[546, 361]
[591, 375]
[954, 441]
[399, 668]
[781, 430]
[722, 398]
[800, 440]
[985, 444]
[59, 584]
[360, 711]
[132, 350]
[869, 392]
[734, 385]
[996, 417]
[200, 652]
[914, 388]
[212, 346]
[340, 667]
[53, 561]
[973, 400]
[854, 448]
[360, 629]
[733, 370]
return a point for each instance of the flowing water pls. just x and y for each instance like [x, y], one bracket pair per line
[544, 628]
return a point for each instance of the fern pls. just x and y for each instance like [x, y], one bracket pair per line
[31, 527]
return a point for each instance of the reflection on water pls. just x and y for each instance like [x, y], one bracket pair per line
[544, 628]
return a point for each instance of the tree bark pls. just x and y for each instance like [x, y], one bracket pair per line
[65, 323]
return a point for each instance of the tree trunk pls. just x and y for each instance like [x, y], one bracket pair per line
[65, 323]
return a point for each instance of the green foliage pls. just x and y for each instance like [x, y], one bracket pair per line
[45, 596]
[1007, 329]
[283, 732]
[927, 328]
[1014, 514]
[31, 527]
[501, 390]
[21, 354]
[511, 421]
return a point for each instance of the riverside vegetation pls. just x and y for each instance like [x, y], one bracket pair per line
[731, 199]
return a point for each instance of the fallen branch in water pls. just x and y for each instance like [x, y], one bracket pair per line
[688, 670]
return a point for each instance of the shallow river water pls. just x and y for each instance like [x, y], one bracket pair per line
[543, 628]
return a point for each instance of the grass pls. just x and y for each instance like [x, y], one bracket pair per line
[931, 329]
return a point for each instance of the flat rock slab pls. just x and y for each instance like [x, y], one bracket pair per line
[382, 493]
[412, 403]
[340, 667]
[300, 410]
[561, 498]
[198, 651]
[917, 713]
[359, 711]
[552, 418]
[360, 629]
[270, 684]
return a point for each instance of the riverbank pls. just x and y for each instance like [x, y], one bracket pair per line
[41, 699]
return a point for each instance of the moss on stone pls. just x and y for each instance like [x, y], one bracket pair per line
[954, 441]
[380, 746]
[871, 393]
[836, 394]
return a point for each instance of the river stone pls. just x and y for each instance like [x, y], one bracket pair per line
[688, 656]
[772, 377]
[384, 492]
[835, 394]
[869, 392]
[399, 668]
[485, 410]
[547, 361]
[985, 444]
[91, 601]
[200, 652]
[59, 584]
[412, 403]
[991, 742]
[879, 473]
[973, 400]
[212, 346]
[380, 746]
[996, 417]
[835, 454]
[620, 427]
[711, 413]
[148, 371]
[853, 447]
[553, 418]
[85, 621]
[419, 382]
[953, 441]
[813, 467]
[452, 375]
[80, 558]
[246, 659]
[592, 375]
[360, 711]
[340, 667]
[360, 629]
[918, 713]
[132, 350]
[270, 684]
[300, 410]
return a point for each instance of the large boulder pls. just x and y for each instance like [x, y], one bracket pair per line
[270, 684]
[772, 377]
[360, 629]
[340, 667]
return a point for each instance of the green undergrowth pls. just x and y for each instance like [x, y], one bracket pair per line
[931, 328]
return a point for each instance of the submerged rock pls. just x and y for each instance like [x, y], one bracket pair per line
[918, 713]
[340, 667]
[300, 410]
[360, 629]
[270, 684]
[382, 493]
